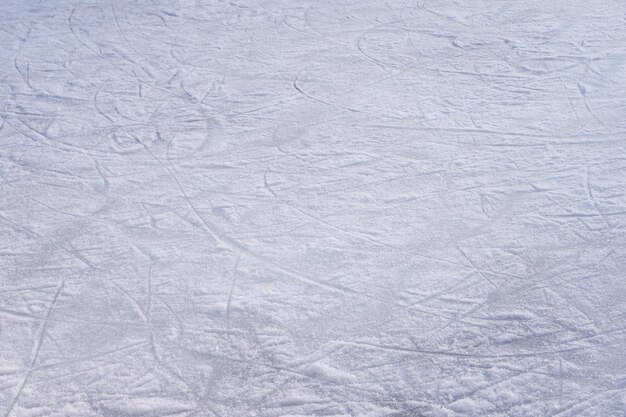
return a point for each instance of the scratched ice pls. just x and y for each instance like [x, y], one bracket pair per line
[332, 208]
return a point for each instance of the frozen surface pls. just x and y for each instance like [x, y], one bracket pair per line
[277, 208]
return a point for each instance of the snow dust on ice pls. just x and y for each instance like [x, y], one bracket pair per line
[328, 208]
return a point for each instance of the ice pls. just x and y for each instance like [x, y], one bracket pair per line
[333, 208]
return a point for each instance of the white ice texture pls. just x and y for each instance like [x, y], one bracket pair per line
[330, 208]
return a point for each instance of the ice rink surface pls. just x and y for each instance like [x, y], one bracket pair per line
[330, 208]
